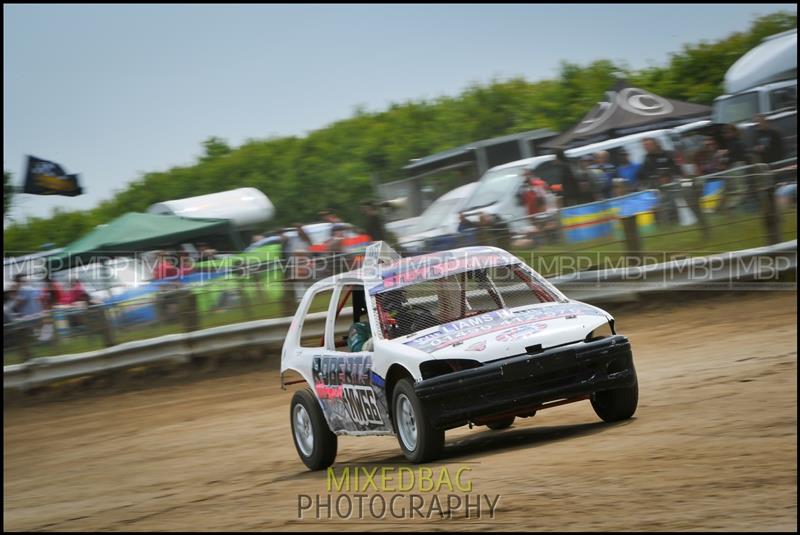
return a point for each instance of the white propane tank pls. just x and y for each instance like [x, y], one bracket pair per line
[247, 208]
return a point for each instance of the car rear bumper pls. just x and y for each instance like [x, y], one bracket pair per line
[526, 381]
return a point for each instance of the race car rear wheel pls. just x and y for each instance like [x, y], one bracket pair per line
[418, 439]
[501, 424]
[617, 404]
[316, 444]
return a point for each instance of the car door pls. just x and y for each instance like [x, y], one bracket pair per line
[352, 396]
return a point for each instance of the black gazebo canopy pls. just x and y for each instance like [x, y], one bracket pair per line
[628, 110]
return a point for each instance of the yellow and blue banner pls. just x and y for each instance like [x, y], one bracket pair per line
[600, 219]
[712, 193]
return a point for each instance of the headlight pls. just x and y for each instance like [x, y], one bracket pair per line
[603, 331]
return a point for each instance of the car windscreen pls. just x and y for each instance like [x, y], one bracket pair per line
[435, 214]
[493, 187]
[432, 302]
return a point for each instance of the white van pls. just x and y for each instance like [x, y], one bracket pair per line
[763, 81]
[497, 189]
[439, 219]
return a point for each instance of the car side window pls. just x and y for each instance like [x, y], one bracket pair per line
[311, 331]
[352, 308]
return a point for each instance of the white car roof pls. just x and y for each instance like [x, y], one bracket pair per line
[443, 263]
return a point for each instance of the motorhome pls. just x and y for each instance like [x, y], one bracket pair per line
[763, 81]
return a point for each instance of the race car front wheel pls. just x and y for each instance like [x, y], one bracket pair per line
[316, 444]
[617, 404]
[418, 439]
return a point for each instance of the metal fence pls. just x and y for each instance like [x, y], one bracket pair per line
[736, 209]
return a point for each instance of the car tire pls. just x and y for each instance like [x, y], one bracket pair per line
[315, 443]
[617, 404]
[419, 440]
[501, 424]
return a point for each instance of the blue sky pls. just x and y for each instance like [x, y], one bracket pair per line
[114, 91]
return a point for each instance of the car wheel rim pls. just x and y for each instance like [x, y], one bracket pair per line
[303, 432]
[406, 422]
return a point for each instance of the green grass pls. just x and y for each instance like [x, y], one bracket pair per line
[741, 231]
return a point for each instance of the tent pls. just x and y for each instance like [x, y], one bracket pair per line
[628, 110]
[135, 232]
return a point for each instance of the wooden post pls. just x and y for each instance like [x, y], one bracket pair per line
[188, 308]
[101, 324]
[632, 240]
[771, 216]
[245, 299]
[696, 205]
[25, 333]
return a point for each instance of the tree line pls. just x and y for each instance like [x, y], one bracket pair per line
[334, 167]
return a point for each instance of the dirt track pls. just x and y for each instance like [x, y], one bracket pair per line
[713, 445]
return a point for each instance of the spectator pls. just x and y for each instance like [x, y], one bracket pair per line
[304, 237]
[658, 168]
[735, 150]
[185, 266]
[628, 170]
[605, 173]
[468, 231]
[660, 171]
[206, 252]
[710, 159]
[464, 224]
[373, 221]
[165, 268]
[52, 293]
[77, 293]
[718, 159]
[562, 174]
[534, 194]
[335, 243]
[26, 298]
[769, 145]
[587, 181]
[8, 308]
[329, 217]
[51, 298]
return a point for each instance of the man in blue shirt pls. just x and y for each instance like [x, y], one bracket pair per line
[628, 170]
[605, 171]
[27, 301]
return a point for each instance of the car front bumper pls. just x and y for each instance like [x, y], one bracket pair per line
[527, 381]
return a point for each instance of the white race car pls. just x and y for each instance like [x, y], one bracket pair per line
[465, 336]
